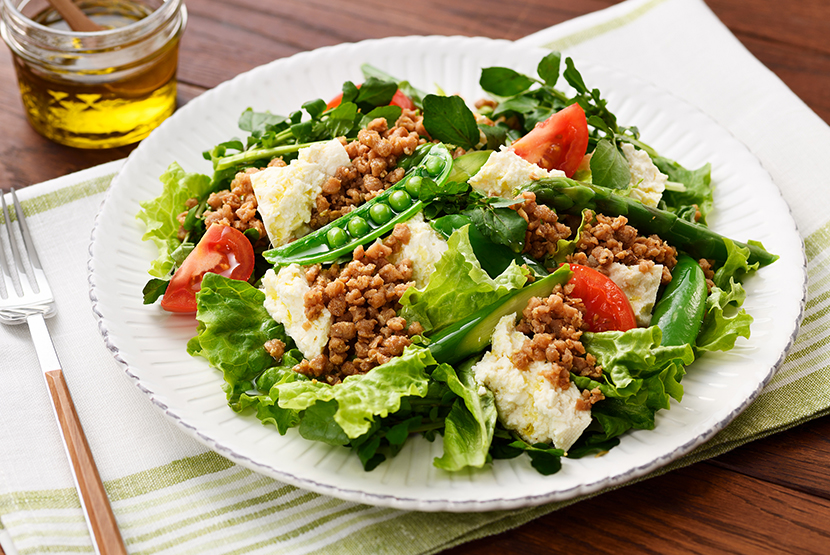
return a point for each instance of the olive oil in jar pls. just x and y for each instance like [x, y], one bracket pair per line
[102, 89]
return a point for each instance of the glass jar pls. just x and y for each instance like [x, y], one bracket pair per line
[101, 89]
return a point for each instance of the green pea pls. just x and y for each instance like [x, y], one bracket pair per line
[434, 165]
[413, 185]
[400, 200]
[380, 213]
[358, 227]
[336, 237]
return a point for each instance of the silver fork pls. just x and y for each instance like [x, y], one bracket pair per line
[25, 297]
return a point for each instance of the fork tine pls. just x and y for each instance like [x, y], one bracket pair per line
[9, 284]
[28, 284]
[31, 259]
[15, 251]
[24, 228]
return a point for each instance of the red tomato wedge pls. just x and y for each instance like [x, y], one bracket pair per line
[399, 99]
[223, 250]
[558, 143]
[606, 306]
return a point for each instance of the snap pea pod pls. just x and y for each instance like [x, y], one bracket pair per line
[572, 196]
[679, 312]
[372, 219]
[472, 334]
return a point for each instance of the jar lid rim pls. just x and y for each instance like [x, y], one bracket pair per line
[163, 12]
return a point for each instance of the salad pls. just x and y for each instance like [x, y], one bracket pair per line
[522, 277]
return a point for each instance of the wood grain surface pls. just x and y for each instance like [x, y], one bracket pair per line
[771, 496]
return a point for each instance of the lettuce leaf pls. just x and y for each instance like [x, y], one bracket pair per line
[698, 186]
[361, 398]
[232, 331]
[724, 320]
[267, 408]
[640, 377]
[159, 214]
[387, 436]
[458, 287]
[629, 358]
[617, 416]
[736, 265]
[468, 428]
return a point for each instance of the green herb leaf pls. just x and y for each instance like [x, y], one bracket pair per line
[502, 81]
[340, 121]
[389, 113]
[350, 92]
[501, 225]
[573, 77]
[496, 135]
[609, 167]
[318, 424]
[600, 124]
[545, 458]
[258, 121]
[518, 104]
[591, 444]
[616, 416]
[154, 289]
[414, 94]
[449, 120]
[375, 92]
[548, 68]
[315, 107]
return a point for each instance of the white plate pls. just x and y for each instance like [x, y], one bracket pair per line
[150, 344]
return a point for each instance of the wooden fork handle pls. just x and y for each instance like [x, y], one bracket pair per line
[94, 497]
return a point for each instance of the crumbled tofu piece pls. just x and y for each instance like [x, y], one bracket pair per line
[425, 248]
[647, 183]
[329, 156]
[505, 171]
[284, 301]
[639, 286]
[285, 195]
[526, 401]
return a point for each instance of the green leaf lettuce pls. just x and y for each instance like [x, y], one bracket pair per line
[361, 398]
[232, 331]
[458, 287]
[160, 214]
[468, 429]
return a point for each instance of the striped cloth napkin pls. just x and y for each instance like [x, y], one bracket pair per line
[171, 495]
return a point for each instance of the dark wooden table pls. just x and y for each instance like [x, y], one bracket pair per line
[770, 496]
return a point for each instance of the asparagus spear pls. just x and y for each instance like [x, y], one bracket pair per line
[572, 196]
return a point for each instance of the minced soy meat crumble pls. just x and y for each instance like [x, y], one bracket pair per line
[603, 241]
[543, 227]
[606, 240]
[555, 326]
[363, 298]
